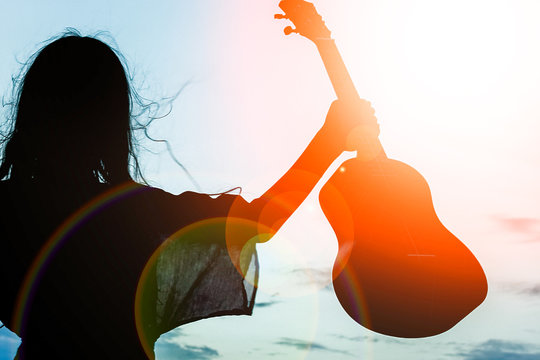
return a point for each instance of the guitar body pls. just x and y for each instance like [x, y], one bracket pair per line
[399, 271]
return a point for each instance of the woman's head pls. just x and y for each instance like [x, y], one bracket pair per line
[72, 115]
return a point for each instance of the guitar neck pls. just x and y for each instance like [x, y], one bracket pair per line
[336, 69]
[368, 148]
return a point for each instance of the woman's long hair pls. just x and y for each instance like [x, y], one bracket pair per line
[71, 117]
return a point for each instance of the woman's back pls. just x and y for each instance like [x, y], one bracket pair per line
[82, 294]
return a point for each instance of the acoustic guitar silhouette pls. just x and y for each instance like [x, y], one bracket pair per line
[398, 271]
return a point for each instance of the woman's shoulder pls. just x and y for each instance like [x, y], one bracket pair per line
[199, 204]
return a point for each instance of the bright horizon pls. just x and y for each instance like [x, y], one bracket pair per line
[456, 89]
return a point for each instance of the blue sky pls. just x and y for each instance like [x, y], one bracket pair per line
[456, 88]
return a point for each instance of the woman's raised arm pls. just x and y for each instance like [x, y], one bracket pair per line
[277, 204]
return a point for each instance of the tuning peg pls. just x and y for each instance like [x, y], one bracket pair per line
[280, 16]
[289, 30]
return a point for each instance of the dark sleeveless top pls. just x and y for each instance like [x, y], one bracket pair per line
[82, 270]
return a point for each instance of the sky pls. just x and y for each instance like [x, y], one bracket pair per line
[455, 86]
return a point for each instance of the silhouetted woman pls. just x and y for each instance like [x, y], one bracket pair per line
[81, 273]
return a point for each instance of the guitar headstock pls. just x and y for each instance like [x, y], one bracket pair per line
[306, 19]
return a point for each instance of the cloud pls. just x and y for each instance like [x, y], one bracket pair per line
[281, 355]
[265, 304]
[521, 225]
[533, 290]
[501, 350]
[352, 338]
[372, 339]
[522, 288]
[321, 278]
[8, 345]
[172, 346]
[172, 350]
[524, 225]
[308, 345]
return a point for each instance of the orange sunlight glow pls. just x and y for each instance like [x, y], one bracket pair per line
[447, 81]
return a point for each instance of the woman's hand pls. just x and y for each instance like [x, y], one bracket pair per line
[350, 123]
